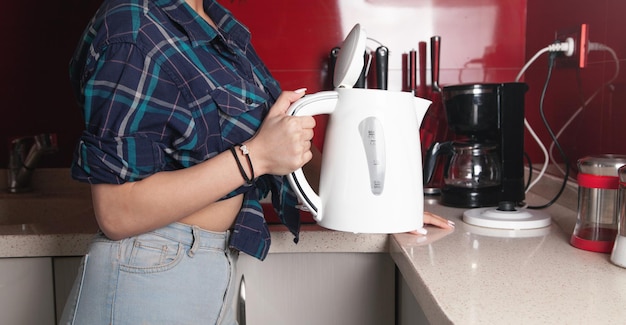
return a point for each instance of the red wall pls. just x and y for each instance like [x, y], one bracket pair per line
[38, 40]
[599, 128]
[482, 41]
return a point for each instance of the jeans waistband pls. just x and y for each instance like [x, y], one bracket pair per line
[194, 236]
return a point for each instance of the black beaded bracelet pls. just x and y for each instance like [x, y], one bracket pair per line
[244, 149]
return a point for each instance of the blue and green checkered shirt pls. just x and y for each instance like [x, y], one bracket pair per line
[161, 90]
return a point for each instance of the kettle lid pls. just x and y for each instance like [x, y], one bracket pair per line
[350, 59]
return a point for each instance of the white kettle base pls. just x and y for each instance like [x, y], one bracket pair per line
[518, 219]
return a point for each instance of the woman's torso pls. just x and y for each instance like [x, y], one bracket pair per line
[215, 87]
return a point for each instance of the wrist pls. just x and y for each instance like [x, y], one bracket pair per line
[241, 154]
[256, 157]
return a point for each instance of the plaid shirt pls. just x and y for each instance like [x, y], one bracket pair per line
[162, 90]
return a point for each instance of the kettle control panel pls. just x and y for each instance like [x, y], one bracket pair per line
[373, 138]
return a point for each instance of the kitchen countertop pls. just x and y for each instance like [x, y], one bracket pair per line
[57, 225]
[469, 275]
[66, 229]
[474, 275]
[29, 242]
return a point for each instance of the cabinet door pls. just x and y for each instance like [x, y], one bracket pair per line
[26, 295]
[318, 288]
[65, 270]
[409, 311]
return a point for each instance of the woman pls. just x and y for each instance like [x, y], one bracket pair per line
[185, 130]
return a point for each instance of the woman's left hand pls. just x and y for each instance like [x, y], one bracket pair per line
[435, 220]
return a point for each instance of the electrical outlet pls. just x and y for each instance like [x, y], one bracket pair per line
[580, 35]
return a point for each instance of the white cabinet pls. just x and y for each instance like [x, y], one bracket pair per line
[297, 288]
[318, 288]
[293, 288]
[26, 291]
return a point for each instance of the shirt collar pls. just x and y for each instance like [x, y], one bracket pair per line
[199, 31]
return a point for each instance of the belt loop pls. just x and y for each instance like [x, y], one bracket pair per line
[194, 244]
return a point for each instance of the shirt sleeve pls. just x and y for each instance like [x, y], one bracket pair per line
[133, 116]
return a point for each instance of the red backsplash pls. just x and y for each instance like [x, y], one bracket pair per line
[599, 127]
[482, 41]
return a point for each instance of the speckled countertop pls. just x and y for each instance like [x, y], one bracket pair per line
[469, 275]
[56, 219]
[473, 275]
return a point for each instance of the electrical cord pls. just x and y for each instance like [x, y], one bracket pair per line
[545, 155]
[552, 135]
[581, 97]
[531, 61]
[609, 84]
[568, 48]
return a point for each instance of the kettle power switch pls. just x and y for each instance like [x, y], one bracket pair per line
[373, 138]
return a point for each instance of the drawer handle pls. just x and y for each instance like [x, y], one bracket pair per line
[241, 302]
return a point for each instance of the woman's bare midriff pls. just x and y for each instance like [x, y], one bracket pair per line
[218, 216]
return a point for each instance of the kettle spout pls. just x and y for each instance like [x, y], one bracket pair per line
[421, 107]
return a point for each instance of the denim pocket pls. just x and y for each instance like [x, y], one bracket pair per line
[151, 253]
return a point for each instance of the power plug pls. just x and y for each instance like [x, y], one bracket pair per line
[577, 57]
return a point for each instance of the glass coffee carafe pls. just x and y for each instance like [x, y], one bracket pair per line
[473, 165]
[472, 172]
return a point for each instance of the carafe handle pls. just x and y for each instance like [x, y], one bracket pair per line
[319, 103]
[430, 160]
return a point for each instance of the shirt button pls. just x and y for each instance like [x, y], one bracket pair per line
[248, 101]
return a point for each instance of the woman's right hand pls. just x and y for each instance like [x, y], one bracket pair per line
[283, 142]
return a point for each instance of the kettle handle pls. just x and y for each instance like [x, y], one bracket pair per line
[319, 103]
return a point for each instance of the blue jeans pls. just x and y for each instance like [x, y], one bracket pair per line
[178, 274]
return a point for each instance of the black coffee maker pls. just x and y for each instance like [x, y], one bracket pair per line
[484, 164]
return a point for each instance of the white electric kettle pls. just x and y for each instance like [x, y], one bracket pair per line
[371, 174]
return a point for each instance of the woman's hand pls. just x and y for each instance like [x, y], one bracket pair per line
[435, 220]
[283, 142]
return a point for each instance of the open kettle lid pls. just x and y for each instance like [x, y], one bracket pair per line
[350, 59]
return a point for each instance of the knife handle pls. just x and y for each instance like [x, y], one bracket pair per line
[332, 61]
[382, 67]
[435, 51]
[421, 89]
[412, 70]
[361, 82]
